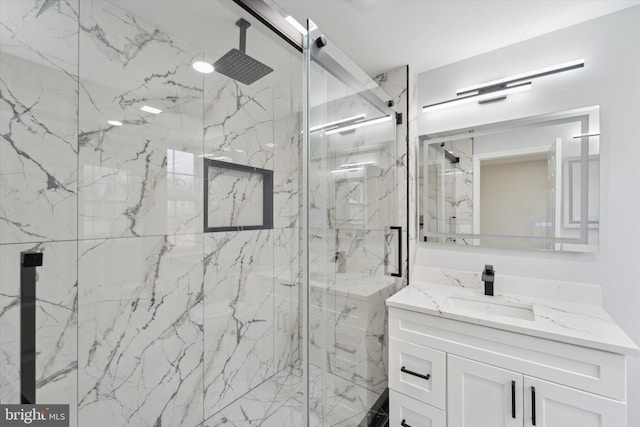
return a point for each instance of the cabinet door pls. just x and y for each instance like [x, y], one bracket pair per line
[553, 405]
[481, 395]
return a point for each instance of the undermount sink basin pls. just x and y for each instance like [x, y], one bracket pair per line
[486, 306]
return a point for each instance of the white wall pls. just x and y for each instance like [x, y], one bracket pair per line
[611, 78]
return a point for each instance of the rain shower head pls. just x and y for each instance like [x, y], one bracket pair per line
[48, 4]
[239, 66]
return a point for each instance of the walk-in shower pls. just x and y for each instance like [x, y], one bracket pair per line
[206, 259]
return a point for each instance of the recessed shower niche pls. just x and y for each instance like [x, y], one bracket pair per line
[237, 197]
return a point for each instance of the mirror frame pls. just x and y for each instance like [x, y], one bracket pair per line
[589, 116]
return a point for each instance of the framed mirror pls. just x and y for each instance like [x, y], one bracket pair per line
[531, 183]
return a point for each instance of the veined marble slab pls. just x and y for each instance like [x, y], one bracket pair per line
[581, 323]
[142, 178]
[38, 122]
[140, 339]
[238, 315]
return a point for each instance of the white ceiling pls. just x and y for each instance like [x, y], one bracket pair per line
[380, 35]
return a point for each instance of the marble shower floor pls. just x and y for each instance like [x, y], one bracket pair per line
[278, 402]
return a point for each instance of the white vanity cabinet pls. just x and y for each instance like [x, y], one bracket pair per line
[445, 372]
[483, 395]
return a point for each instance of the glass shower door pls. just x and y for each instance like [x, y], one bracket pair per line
[353, 242]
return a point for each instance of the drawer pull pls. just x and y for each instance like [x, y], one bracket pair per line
[513, 399]
[404, 424]
[533, 405]
[347, 349]
[415, 374]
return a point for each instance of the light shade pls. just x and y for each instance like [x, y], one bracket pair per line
[484, 97]
[203, 67]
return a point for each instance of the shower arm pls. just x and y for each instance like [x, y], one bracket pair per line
[243, 24]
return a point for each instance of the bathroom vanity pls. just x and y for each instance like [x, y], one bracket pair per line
[538, 353]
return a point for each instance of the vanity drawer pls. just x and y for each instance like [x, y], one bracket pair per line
[418, 371]
[408, 412]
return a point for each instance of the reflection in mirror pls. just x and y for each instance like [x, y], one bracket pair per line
[531, 183]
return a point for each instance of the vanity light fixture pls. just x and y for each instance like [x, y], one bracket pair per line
[202, 67]
[114, 123]
[359, 125]
[585, 135]
[351, 165]
[498, 90]
[481, 98]
[346, 170]
[151, 110]
[338, 122]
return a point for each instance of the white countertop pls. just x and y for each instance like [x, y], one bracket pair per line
[584, 324]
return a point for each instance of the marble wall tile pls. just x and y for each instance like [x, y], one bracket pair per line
[238, 314]
[287, 282]
[38, 122]
[287, 170]
[142, 178]
[56, 324]
[140, 335]
[238, 121]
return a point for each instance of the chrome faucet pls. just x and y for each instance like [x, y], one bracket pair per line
[488, 276]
